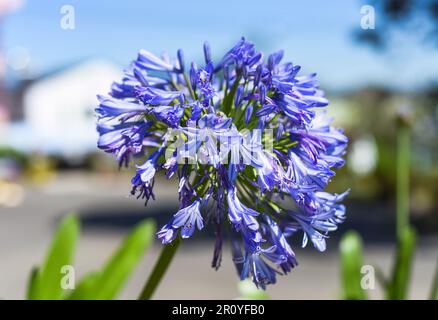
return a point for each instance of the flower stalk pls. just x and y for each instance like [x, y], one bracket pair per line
[403, 170]
[160, 268]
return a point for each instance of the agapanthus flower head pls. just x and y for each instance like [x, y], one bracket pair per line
[247, 139]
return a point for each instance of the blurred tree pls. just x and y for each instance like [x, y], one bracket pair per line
[418, 18]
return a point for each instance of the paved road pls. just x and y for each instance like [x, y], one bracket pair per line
[107, 214]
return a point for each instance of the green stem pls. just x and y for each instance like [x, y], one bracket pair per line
[403, 169]
[402, 269]
[434, 289]
[160, 269]
[228, 100]
[189, 86]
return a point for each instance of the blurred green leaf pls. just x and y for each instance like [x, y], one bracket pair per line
[85, 288]
[46, 283]
[398, 287]
[31, 293]
[434, 289]
[61, 253]
[380, 276]
[249, 291]
[351, 264]
[106, 284]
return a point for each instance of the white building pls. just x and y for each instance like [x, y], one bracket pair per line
[58, 110]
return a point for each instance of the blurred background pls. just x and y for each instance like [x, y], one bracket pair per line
[372, 57]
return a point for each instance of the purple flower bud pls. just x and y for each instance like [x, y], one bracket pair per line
[149, 61]
[274, 59]
[193, 75]
[280, 131]
[255, 59]
[258, 75]
[239, 65]
[207, 52]
[245, 72]
[180, 54]
[262, 89]
[239, 96]
[248, 114]
[226, 73]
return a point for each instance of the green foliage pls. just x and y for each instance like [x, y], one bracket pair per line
[351, 264]
[434, 289]
[248, 291]
[397, 285]
[106, 284]
[8, 152]
[31, 285]
[85, 287]
[45, 281]
[397, 288]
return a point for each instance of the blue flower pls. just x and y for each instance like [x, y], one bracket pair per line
[150, 62]
[187, 218]
[123, 140]
[282, 247]
[201, 79]
[155, 96]
[167, 234]
[240, 215]
[249, 142]
[171, 115]
[242, 55]
[143, 181]
[320, 215]
[110, 107]
[254, 264]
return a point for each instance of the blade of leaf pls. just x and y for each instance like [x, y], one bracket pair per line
[85, 288]
[434, 289]
[402, 268]
[118, 268]
[381, 279]
[31, 292]
[61, 252]
[351, 264]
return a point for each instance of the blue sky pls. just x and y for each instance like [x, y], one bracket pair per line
[314, 33]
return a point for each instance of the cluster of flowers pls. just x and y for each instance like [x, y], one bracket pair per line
[242, 189]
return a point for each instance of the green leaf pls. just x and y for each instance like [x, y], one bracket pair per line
[31, 293]
[351, 264]
[398, 287]
[248, 291]
[117, 270]
[434, 289]
[46, 284]
[229, 98]
[85, 288]
[381, 279]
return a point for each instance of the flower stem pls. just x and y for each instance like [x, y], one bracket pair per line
[403, 168]
[189, 86]
[160, 269]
